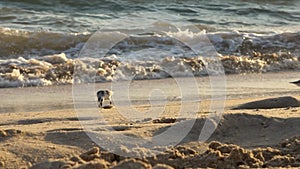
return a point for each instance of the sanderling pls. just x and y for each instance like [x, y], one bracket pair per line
[104, 95]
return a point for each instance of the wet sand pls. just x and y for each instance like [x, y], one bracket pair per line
[40, 127]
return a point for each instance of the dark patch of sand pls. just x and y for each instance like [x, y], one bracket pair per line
[165, 120]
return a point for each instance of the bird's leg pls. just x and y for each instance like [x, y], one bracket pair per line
[101, 102]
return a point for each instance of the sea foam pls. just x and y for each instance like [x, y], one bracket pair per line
[58, 69]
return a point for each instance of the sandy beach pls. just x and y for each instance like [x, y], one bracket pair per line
[40, 128]
[196, 84]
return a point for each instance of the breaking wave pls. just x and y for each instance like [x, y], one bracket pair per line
[17, 43]
[44, 58]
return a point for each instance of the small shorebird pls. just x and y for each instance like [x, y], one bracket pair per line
[296, 83]
[104, 95]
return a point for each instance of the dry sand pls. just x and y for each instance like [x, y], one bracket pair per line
[39, 128]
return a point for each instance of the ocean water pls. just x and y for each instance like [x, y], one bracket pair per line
[47, 42]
